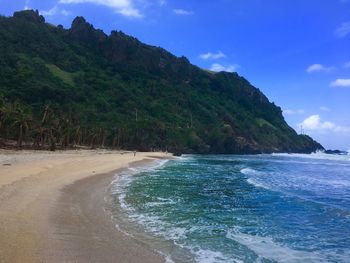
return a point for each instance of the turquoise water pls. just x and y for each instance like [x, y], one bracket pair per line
[263, 208]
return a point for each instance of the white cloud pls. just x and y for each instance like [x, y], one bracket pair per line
[65, 12]
[54, 11]
[293, 112]
[123, 7]
[210, 55]
[162, 2]
[182, 12]
[344, 83]
[218, 67]
[314, 123]
[130, 12]
[347, 64]
[318, 67]
[26, 5]
[343, 30]
[50, 12]
[324, 108]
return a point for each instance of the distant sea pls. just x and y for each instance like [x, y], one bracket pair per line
[227, 208]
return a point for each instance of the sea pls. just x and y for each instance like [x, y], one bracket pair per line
[239, 208]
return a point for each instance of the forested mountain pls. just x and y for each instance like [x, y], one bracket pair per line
[62, 87]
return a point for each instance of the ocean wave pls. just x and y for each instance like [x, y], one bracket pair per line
[250, 171]
[210, 256]
[151, 223]
[258, 184]
[253, 175]
[266, 248]
[160, 202]
[326, 162]
[317, 155]
[169, 209]
[155, 226]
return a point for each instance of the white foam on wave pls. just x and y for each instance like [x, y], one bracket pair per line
[266, 248]
[161, 201]
[319, 155]
[156, 226]
[210, 256]
[309, 161]
[166, 257]
[253, 175]
[258, 184]
[122, 181]
[177, 235]
[250, 171]
[119, 188]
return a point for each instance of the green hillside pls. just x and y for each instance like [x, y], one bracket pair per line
[63, 87]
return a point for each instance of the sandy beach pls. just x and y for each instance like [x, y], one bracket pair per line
[52, 208]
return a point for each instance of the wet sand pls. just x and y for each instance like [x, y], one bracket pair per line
[52, 208]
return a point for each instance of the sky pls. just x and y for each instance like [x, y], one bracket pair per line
[297, 52]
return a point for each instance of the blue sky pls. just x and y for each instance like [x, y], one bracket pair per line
[296, 51]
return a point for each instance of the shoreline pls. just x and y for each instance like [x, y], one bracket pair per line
[51, 208]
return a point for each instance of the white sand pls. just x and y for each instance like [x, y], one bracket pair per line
[51, 208]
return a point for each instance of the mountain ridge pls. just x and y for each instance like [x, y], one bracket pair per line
[113, 90]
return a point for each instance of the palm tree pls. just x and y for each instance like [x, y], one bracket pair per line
[5, 109]
[94, 136]
[46, 114]
[64, 131]
[21, 119]
[77, 135]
